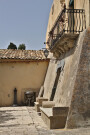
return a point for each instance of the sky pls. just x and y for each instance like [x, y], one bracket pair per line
[24, 21]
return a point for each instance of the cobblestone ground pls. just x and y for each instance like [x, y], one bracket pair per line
[25, 121]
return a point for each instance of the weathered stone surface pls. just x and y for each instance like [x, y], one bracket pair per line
[67, 77]
[41, 99]
[37, 106]
[34, 125]
[41, 91]
[52, 121]
[39, 102]
[67, 40]
[76, 68]
[48, 104]
[73, 88]
[62, 111]
[80, 103]
[21, 121]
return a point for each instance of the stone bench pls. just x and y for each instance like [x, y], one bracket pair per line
[38, 103]
[55, 118]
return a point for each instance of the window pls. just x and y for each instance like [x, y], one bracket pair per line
[71, 3]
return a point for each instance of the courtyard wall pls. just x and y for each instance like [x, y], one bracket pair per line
[24, 76]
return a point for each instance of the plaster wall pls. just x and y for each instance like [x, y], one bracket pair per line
[55, 10]
[22, 76]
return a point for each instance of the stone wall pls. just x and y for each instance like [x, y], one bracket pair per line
[73, 89]
[68, 75]
[79, 114]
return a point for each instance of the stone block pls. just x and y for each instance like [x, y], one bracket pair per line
[61, 111]
[48, 104]
[37, 106]
[53, 122]
[41, 99]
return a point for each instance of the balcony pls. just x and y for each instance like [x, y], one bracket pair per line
[66, 30]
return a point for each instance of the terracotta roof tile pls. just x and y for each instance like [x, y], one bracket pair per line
[22, 54]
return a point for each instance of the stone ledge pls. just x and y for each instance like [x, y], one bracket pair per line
[47, 111]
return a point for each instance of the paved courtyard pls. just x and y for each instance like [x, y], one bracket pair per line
[25, 121]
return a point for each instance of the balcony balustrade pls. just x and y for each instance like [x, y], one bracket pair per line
[66, 29]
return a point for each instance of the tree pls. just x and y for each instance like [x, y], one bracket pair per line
[22, 47]
[12, 46]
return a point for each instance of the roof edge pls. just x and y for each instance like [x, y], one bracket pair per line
[23, 60]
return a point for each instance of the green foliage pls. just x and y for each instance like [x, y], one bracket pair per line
[12, 46]
[22, 47]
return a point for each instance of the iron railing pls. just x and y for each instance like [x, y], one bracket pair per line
[68, 21]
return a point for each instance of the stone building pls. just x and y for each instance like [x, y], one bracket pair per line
[21, 70]
[67, 80]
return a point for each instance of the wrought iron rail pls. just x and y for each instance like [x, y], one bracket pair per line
[68, 21]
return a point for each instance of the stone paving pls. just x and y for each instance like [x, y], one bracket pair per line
[25, 121]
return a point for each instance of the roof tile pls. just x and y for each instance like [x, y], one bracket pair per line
[22, 54]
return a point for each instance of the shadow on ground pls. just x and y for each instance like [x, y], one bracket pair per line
[5, 116]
